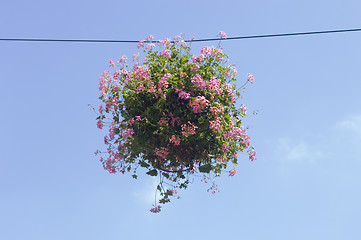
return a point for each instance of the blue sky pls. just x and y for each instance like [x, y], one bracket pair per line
[305, 183]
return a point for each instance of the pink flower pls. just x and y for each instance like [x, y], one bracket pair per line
[163, 120]
[198, 104]
[150, 45]
[131, 122]
[199, 58]
[116, 87]
[224, 147]
[137, 118]
[234, 70]
[214, 85]
[252, 154]
[222, 34]
[215, 125]
[175, 140]
[250, 78]
[139, 89]
[111, 63]
[115, 101]
[156, 209]
[216, 53]
[166, 53]
[127, 132]
[135, 57]
[216, 111]
[122, 59]
[232, 172]
[206, 50]
[174, 120]
[163, 82]
[111, 134]
[195, 68]
[100, 109]
[183, 95]
[166, 42]
[182, 74]
[100, 124]
[149, 38]
[140, 44]
[189, 129]
[243, 109]
[199, 82]
[162, 152]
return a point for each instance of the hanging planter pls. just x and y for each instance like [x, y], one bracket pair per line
[174, 114]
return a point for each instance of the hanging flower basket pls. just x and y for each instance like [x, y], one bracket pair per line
[174, 114]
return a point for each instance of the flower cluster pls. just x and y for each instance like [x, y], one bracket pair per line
[175, 140]
[188, 129]
[156, 209]
[198, 104]
[173, 114]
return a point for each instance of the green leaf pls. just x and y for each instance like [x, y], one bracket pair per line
[205, 168]
[152, 172]
[164, 200]
[166, 175]
[144, 164]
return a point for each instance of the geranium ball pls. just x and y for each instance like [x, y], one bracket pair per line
[174, 114]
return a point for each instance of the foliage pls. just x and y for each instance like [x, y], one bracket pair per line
[174, 114]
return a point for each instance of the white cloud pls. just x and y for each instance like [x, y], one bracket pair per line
[352, 124]
[322, 151]
[300, 152]
[345, 135]
[349, 135]
[146, 193]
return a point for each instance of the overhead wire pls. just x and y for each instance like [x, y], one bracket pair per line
[191, 40]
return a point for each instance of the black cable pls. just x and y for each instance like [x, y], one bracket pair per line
[193, 40]
[67, 40]
[280, 35]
